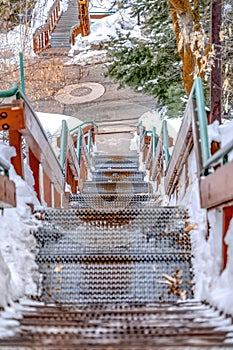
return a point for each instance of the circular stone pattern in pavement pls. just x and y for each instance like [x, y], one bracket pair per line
[79, 93]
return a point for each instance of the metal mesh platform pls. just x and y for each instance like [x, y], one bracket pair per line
[89, 255]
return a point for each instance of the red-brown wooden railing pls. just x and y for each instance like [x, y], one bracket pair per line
[41, 37]
[22, 124]
[215, 182]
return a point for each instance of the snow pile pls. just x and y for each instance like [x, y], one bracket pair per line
[106, 29]
[102, 6]
[15, 41]
[41, 9]
[88, 57]
[19, 274]
[211, 283]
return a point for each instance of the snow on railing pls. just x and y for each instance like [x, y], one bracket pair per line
[26, 134]
[212, 172]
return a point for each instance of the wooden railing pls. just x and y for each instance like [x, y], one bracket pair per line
[41, 37]
[84, 17]
[213, 171]
[7, 187]
[26, 134]
[75, 31]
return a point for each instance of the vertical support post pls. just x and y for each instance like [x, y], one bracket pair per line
[34, 165]
[227, 216]
[22, 72]
[79, 143]
[216, 72]
[154, 141]
[202, 118]
[57, 199]
[63, 146]
[17, 161]
[41, 182]
[89, 141]
[52, 195]
[47, 190]
[166, 143]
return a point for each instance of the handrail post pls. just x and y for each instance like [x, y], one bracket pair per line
[79, 143]
[22, 72]
[63, 145]
[89, 140]
[166, 143]
[154, 141]
[202, 118]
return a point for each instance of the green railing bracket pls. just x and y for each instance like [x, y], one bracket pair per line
[11, 92]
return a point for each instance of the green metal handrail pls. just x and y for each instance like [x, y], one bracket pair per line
[89, 141]
[81, 125]
[154, 141]
[218, 155]
[79, 144]
[4, 167]
[166, 143]
[198, 93]
[63, 145]
[11, 92]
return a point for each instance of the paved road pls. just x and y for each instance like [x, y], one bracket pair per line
[103, 103]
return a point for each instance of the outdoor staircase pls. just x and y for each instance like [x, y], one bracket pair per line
[110, 250]
[60, 38]
[115, 267]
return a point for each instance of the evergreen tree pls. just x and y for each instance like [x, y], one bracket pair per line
[153, 63]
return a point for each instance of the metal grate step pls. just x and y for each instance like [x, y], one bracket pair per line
[92, 187]
[118, 200]
[116, 162]
[117, 175]
[175, 326]
[89, 255]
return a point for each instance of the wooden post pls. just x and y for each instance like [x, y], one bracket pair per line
[216, 72]
[227, 216]
[17, 161]
[34, 165]
[47, 190]
[57, 199]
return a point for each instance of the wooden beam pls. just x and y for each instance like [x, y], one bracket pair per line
[47, 190]
[7, 192]
[12, 116]
[17, 161]
[179, 154]
[227, 216]
[217, 188]
[38, 143]
[34, 165]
